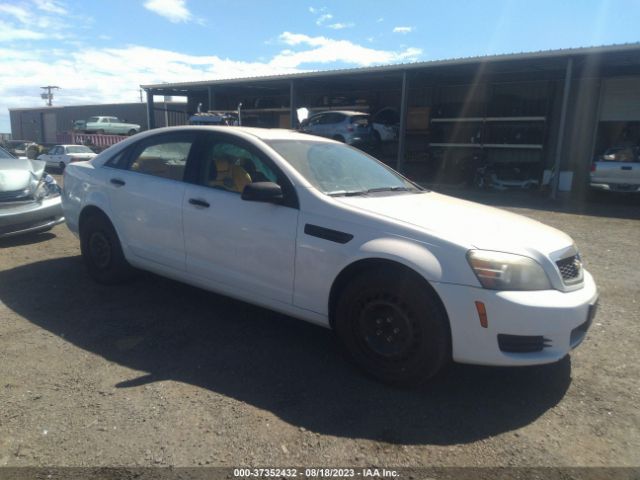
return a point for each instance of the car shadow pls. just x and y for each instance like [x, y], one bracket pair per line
[293, 369]
[26, 239]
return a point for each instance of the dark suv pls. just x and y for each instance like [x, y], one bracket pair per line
[353, 128]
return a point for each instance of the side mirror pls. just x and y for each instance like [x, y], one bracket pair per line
[262, 192]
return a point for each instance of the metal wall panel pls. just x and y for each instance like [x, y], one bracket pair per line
[621, 99]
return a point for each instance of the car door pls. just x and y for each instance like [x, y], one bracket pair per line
[146, 191]
[50, 157]
[232, 244]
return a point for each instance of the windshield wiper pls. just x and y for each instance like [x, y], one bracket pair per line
[389, 189]
[347, 193]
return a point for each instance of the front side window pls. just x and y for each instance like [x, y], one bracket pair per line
[165, 158]
[229, 166]
[337, 169]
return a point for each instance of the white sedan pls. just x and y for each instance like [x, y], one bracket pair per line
[408, 278]
[62, 155]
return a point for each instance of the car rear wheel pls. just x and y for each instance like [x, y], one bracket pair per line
[100, 132]
[131, 132]
[102, 252]
[393, 326]
[61, 166]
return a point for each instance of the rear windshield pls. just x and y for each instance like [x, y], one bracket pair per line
[621, 154]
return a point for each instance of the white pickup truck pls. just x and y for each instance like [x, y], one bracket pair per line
[617, 170]
[108, 125]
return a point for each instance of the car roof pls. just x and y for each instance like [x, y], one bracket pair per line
[256, 132]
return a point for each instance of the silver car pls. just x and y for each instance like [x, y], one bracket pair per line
[352, 128]
[617, 170]
[29, 197]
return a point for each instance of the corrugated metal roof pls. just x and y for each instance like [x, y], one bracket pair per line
[541, 54]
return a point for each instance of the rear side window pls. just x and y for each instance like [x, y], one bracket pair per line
[360, 120]
[162, 156]
[167, 159]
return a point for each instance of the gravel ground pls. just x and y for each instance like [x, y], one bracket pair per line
[157, 373]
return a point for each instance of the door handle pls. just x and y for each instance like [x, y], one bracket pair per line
[198, 203]
[117, 182]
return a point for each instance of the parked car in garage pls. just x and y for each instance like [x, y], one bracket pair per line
[62, 155]
[29, 197]
[352, 128]
[310, 227]
[386, 125]
[617, 170]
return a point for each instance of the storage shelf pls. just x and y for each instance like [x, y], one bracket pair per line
[458, 145]
[487, 119]
[523, 146]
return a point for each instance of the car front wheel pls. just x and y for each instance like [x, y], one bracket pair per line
[393, 326]
[102, 252]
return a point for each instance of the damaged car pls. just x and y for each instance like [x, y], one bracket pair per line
[29, 197]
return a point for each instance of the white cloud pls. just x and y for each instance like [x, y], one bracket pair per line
[15, 11]
[51, 6]
[109, 75]
[323, 18]
[175, 11]
[326, 50]
[8, 33]
[340, 26]
[403, 30]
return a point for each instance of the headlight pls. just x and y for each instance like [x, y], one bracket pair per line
[505, 271]
[47, 187]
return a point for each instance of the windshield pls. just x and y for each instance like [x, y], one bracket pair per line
[79, 149]
[337, 169]
[4, 154]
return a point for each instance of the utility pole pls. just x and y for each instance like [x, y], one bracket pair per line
[49, 95]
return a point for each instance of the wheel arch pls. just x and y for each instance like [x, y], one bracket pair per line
[359, 266]
[88, 211]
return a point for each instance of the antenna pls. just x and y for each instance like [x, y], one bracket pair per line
[48, 96]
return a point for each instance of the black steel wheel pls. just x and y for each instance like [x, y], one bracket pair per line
[393, 326]
[102, 252]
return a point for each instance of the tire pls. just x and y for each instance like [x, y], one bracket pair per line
[376, 137]
[61, 166]
[393, 326]
[339, 138]
[100, 132]
[102, 252]
[131, 132]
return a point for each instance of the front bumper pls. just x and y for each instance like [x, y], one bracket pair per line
[558, 319]
[29, 217]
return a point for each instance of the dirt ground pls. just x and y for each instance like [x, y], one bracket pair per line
[157, 373]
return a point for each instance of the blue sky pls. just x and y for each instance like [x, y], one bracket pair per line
[101, 51]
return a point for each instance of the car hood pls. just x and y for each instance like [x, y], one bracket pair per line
[465, 222]
[19, 174]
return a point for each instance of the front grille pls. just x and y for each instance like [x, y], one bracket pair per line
[522, 343]
[15, 195]
[571, 269]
